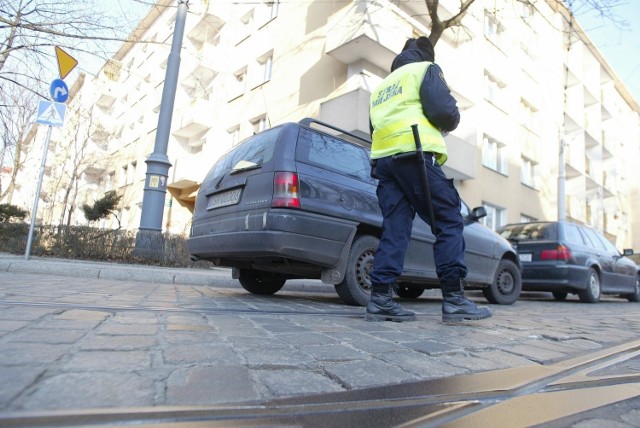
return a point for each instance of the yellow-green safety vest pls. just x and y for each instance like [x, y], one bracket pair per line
[395, 106]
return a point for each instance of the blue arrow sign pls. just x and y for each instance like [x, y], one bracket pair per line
[59, 91]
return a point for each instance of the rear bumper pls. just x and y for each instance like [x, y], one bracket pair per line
[277, 233]
[549, 277]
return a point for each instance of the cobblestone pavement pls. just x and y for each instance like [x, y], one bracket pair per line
[70, 341]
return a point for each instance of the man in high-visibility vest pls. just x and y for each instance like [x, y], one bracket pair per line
[416, 93]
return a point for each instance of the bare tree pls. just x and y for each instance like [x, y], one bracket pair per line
[15, 126]
[31, 29]
[605, 8]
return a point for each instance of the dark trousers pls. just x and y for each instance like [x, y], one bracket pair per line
[401, 196]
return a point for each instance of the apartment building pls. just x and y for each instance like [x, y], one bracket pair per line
[537, 101]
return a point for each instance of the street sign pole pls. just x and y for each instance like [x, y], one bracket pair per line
[34, 212]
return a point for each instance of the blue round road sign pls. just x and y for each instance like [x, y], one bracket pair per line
[59, 91]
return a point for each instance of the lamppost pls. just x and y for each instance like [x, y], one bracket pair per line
[149, 240]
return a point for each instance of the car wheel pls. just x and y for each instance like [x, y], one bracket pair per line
[591, 294]
[506, 286]
[408, 292]
[559, 295]
[355, 288]
[635, 297]
[258, 282]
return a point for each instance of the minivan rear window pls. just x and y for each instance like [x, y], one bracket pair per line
[333, 154]
[531, 231]
[254, 151]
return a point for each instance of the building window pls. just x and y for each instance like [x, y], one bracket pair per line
[525, 10]
[247, 22]
[496, 216]
[234, 135]
[273, 7]
[492, 27]
[124, 175]
[494, 155]
[264, 66]
[240, 78]
[493, 88]
[527, 218]
[528, 172]
[259, 124]
[527, 113]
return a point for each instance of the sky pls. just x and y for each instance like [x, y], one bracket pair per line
[620, 46]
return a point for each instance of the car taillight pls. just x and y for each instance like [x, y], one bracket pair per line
[559, 253]
[285, 190]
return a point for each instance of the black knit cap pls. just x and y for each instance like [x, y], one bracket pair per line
[420, 49]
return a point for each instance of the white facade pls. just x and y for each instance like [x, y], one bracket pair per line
[522, 85]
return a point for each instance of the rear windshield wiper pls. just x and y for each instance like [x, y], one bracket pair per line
[244, 165]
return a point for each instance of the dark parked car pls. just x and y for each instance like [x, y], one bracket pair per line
[565, 257]
[296, 202]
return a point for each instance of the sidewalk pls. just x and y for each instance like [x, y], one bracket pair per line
[218, 276]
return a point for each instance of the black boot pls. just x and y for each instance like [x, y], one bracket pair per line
[456, 307]
[382, 307]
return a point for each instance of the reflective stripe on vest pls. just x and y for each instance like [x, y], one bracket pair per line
[395, 106]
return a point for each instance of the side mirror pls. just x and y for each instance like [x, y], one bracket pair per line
[627, 252]
[478, 212]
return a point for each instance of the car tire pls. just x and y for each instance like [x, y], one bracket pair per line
[506, 286]
[355, 287]
[263, 283]
[408, 292]
[560, 295]
[635, 297]
[591, 294]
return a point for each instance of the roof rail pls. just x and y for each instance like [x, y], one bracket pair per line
[307, 121]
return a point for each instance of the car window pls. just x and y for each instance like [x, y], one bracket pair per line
[532, 231]
[253, 151]
[593, 238]
[333, 154]
[572, 234]
[608, 245]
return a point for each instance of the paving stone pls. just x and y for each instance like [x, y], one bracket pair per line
[90, 390]
[113, 361]
[47, 336]
[365, 373]
[117, 343]
[210, 385]
[421, 365]
[293, 382]
[333, 352]
[15, 380]
[128, 329]
[199, 353]
[27, 354]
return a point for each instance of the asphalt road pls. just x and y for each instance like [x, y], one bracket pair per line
[97, 343]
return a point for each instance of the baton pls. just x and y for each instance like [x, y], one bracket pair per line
[425, 181]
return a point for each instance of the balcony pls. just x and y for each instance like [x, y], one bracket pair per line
[349, 111]
[463, 159]
[370, 32]
[206, 30]
[107, 99]
[185, 192]
[195, 119]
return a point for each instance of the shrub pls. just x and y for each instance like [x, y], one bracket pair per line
[91, 243]
[11, 213]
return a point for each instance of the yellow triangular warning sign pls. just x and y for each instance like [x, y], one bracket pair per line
[66, 62]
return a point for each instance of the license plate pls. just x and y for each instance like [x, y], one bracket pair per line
[526, 257]
[224, 199]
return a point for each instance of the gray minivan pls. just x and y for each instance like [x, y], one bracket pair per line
[297, 202]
